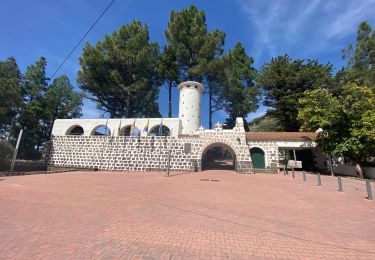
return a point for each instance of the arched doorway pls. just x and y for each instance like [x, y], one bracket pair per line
[218, 156]
[258, 158]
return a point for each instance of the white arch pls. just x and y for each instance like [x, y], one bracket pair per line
[107, 129]
[165, 130]
[122, 130]
[61, 126]
[68, 132]
[229, 144]
[207, 146]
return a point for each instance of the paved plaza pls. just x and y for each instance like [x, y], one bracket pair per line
[206, 215]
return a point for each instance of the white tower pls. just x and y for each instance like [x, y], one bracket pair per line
[190, 106]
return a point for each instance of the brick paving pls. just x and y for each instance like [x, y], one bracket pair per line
[85, 215]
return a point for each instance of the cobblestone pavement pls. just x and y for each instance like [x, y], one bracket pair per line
[208, 215]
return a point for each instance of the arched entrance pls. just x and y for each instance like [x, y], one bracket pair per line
[218, 156]
[258, 158]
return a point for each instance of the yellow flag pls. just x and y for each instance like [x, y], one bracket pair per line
[132, 128]
[146, 125]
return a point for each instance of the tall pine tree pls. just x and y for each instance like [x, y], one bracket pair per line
[168, 73]
[61, 102]
[120, 72]
[33, 110]
[240, 94]
[196, 49]
[361, 58]
[283, 82]
[10, 95]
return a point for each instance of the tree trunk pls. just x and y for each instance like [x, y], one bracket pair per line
[53, 121]
[359, 170]
[127, 114]
[10, 129]
[331, 165]
[170, 99]
[209, 107]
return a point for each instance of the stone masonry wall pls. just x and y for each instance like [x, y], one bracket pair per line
[144, 153]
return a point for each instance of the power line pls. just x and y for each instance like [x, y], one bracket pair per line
[82, 38]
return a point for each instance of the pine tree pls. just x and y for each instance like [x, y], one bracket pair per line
[283, 82]
[120, 72]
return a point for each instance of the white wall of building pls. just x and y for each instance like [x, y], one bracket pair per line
[62, 126]
[296, 144]
[190, 106]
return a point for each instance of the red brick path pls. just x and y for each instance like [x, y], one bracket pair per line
[149, 216]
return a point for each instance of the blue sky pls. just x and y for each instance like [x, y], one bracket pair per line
[306, 29]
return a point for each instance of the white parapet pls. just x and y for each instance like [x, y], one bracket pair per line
[190, 106]
[115, 126]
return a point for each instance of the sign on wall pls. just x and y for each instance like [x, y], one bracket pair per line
[187, 147]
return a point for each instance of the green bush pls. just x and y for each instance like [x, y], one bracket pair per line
[6, 150]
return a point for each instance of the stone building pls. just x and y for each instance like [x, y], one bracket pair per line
[145, 144]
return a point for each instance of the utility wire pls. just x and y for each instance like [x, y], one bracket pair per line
[83, 37]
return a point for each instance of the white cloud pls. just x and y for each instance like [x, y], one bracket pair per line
[294, 25]
[303, 27]
[347, 16]
[264, 17]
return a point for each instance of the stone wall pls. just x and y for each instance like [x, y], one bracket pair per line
[145, 153]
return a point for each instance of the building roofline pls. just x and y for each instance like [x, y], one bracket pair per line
[281, 136]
